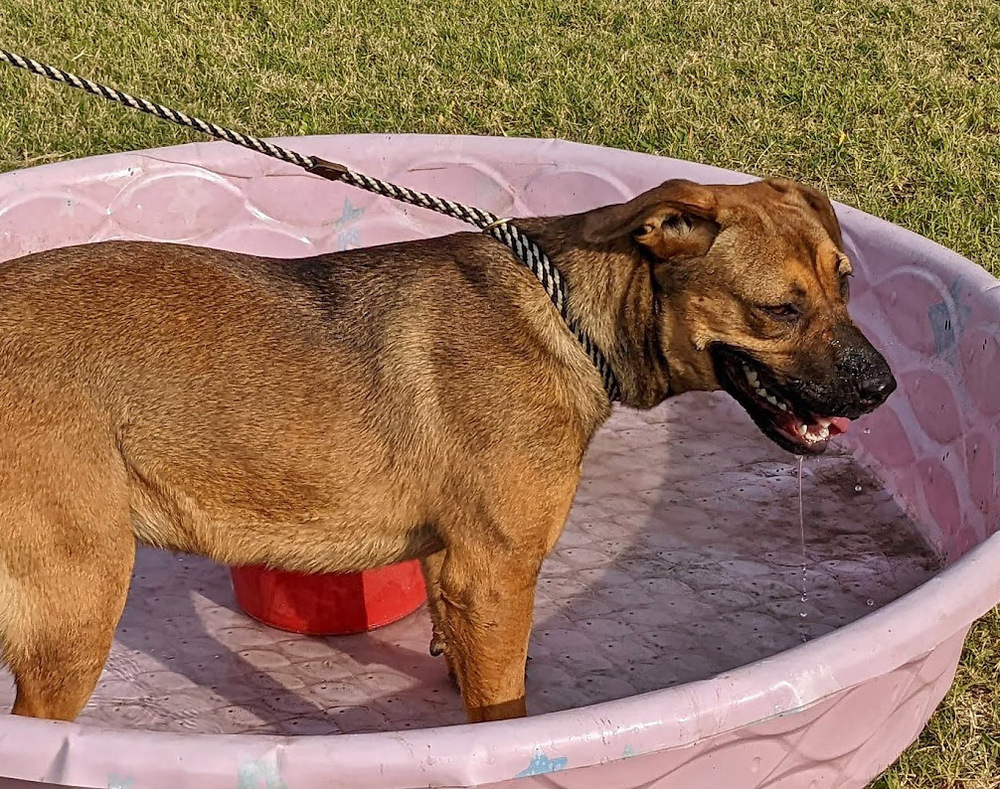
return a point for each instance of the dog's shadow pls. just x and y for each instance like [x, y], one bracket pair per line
[684, 556]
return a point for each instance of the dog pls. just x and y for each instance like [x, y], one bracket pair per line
[413, 400]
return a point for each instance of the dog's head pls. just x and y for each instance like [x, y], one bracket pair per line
[751, 284]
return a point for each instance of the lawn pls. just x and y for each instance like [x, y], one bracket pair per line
[893, 107]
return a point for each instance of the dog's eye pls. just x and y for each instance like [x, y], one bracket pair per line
[678, 223]
[782, 312]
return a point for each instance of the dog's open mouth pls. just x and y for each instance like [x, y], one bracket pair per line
[780, 415]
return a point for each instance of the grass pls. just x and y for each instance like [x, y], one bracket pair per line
[893, 107]
[961, 745]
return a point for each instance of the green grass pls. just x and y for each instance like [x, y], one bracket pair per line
[961, 745]
[893, 107]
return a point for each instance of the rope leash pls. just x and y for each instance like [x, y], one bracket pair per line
[500, 229]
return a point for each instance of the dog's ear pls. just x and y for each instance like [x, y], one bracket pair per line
[814, 200]
[674, 220]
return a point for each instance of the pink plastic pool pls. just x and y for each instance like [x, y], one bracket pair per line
[672, 645]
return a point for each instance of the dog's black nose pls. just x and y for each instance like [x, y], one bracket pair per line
[866, 373]
[876, 388]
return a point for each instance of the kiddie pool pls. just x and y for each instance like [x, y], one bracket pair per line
[672, 646]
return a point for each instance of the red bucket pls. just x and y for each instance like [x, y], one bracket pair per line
[330, 603]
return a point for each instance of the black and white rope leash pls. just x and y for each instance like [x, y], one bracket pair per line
[501, 229]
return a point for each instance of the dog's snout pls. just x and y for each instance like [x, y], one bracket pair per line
[866, 373]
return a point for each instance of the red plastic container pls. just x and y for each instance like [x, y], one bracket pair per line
[332, 603]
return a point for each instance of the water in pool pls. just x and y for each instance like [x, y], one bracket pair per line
[683, 557]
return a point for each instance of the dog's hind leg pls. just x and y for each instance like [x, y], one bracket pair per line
[66, 556]
[65, 631]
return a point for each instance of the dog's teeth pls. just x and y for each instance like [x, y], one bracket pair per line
[762, 392]
[772, 400]
[782, 406]
[814, 433]
[752, 377]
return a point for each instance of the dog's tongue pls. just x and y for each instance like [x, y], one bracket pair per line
[839, 424]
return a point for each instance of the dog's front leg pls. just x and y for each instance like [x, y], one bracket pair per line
[432, 579]
[487, 599]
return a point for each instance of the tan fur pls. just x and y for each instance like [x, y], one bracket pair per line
[418, 400]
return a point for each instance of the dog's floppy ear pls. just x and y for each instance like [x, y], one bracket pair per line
[674, 220]
[815, 200]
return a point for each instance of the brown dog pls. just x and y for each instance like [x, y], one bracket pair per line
[346, 411]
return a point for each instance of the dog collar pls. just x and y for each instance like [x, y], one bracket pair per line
[532, 256]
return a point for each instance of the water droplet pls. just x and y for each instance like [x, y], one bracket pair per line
[867, 431]
[857, 488]
[802, 534]
[869, 602]
[803, 614]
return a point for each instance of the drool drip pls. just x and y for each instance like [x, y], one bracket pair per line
[802, 533]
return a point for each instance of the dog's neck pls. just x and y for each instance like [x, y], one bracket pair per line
[611, 295]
